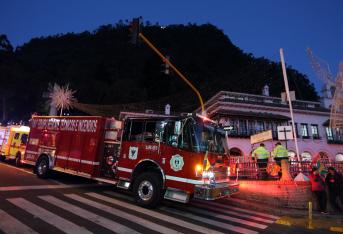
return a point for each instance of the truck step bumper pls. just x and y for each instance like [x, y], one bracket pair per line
[213, 192]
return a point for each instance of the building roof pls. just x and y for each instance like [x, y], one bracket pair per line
[265, 101]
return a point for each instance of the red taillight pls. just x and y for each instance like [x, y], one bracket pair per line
[110, 160]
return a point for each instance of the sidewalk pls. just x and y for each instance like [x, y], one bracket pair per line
[294, 217]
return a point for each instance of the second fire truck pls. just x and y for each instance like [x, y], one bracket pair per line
[155, 156]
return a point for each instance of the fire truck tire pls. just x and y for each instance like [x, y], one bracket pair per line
[18, 160]
[147, 189]
[2, 158]
[42, 167]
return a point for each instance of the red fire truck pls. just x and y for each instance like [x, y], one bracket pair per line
[155, 156]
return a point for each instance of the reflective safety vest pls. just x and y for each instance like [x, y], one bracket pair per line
[280, 152]
[260, 153]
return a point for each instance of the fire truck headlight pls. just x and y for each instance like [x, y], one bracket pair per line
[228, 171]
[198, 170]
[208, 174]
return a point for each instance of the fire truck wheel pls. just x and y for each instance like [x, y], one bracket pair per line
[2, 158]
[18, 160]
[147, 189]
[42, 168]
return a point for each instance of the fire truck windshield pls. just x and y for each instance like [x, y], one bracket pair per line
[210, 138]
[191, 134]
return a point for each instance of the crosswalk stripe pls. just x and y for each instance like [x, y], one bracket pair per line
[47, 216]
[109, 224]
[239, 209]
[209, 221]
[130, 217]
[152, 213]
[229, 212]
[10, 225]
[225, 217]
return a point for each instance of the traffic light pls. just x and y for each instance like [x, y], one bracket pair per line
[166, 66]
[134, 30]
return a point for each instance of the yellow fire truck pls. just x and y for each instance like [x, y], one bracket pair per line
[13, 141]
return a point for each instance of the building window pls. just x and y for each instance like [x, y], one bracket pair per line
[234, 124]
[251, 127]
[306, 157]
[274, 129]
[268, 125]
[292, 156]
[235, 152]
[296, 128]
[243, 127]
[260, 126]
[329, 134]
[339, 157]
[314, 131]
[304, 130]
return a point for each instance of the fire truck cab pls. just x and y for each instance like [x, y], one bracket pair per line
[13, 141]
[155, 156]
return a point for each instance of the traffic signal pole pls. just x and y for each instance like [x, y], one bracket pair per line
[140, 35]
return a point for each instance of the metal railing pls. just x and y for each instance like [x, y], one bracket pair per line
[248, 169]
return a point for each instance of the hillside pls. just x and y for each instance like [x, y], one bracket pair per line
[104, 68]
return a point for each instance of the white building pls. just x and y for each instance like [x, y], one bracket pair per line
[249, 114]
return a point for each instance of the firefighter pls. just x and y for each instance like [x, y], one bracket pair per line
[261, 155]
[279, 153]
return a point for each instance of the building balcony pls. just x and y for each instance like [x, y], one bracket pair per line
[248, 133]
[234, 97]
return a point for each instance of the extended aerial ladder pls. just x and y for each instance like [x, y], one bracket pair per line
[333, 88]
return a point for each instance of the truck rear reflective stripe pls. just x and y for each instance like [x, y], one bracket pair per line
[62, 157]
[47, 147]
[90, 162]
[185, 180]
[124, 169]
[78, 160]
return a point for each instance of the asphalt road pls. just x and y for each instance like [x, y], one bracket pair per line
[70, 204]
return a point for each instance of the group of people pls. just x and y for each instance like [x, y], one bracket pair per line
[262, 155]
[334, 183]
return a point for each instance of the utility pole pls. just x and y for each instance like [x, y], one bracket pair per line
[289, 101]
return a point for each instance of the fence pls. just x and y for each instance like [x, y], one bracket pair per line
[244, 168]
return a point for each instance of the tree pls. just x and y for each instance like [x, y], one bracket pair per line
[7, 73]
[5, 44]
[61, 97]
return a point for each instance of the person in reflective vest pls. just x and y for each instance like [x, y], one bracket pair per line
[279, 153]
[261, 155]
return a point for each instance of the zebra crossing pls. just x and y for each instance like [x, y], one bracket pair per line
[108, 211]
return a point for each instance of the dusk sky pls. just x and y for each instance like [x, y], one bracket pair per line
[257, 27]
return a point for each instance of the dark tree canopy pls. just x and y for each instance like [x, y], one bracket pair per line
[104, 68]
